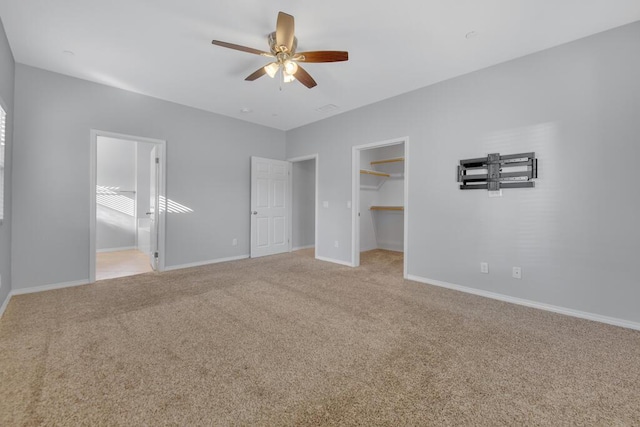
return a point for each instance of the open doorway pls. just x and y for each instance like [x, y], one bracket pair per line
[283, 205]
[304, 179]
[380, 195]
[127, 218]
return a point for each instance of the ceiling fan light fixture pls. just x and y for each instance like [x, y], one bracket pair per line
[283, 46]
[290, 67]
[271, 69]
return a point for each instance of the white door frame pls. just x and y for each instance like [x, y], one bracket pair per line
[302, 159]
[93, 168]
[355, 181]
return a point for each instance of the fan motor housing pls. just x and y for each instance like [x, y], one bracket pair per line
[275, 49]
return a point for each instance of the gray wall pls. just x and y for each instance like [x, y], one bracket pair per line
[304, 204]
[208, 170]
[576, 235]
[368, 197]
[7, 69]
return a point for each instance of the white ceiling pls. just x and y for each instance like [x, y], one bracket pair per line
[162, 48]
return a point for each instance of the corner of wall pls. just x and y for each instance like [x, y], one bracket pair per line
[4, 304]
[7, 89]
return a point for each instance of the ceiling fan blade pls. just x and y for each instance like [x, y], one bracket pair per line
[285, 30]
[256, 74]
[322, 56]
[241, 48]
[304, 78]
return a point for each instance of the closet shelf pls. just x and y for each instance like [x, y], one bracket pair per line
[376, 173]
[387, 208]
[394, 160]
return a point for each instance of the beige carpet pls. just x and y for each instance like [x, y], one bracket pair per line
[288, 340]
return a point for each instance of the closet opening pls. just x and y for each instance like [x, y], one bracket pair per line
[380, 188]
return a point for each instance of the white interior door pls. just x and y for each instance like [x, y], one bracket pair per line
[154, 206]
[270, 200]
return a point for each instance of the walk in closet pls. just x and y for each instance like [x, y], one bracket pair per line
[382, 198]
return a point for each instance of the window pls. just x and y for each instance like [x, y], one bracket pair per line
[3, 127]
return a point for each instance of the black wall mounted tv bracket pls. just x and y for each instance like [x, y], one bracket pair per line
[523, 167]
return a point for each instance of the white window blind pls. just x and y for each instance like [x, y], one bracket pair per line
[3, 127]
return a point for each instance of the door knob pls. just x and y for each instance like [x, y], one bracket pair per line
[255, 212]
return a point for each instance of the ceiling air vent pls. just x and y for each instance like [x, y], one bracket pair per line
[327, 108]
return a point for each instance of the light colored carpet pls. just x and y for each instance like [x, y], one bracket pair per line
[288, 340]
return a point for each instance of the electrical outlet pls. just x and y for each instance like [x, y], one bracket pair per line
[484, 267]
[349, 204]
[234, 242]
[336, 244]
[325, 204]
[517, 273]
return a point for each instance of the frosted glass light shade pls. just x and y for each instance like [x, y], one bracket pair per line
[272, 69]
[290, 67]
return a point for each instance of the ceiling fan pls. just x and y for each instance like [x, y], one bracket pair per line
[283, 44]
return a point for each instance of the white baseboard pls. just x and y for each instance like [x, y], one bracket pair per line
[297, 248]
[124, 248]
[201, 263]
[528, 303]
[54, 286]
[5, 303]
[335, 261]
[43, 288]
